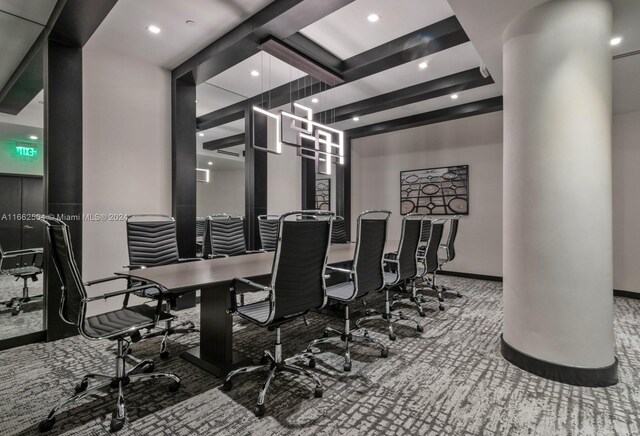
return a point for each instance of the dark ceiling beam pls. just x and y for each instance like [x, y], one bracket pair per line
[220, 117]
[447, 114]
[229, 141]
[423, 91]
[279, 19]
[430, 39]
[304, 45]
[79, 19]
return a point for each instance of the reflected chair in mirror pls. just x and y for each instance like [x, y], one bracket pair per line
[449, 249]
[200, 225]
[122, 326]
[365, 275]
[224, 236]
[152, 241]
[268, 227]
[297, 286]
[12, 263]
[401, 268]
[339, 231]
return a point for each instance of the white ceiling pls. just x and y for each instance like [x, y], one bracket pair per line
[124, 29]
[16, 132]
[347, 32]
[21, 22]
[32, 115]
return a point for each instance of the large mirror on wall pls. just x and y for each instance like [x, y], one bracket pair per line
[21, 201]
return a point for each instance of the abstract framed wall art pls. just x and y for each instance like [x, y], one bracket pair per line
[435, 191]
[323, 194]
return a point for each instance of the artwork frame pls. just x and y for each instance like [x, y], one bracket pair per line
[437, 191]
[323, 194]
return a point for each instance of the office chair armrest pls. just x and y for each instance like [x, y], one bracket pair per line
[255, 251]
[133, 267]
[253, 284]
[106, 279]
[342, 270]
[189, 259]
[17, 253]
[121, 292]
[217, 256]
[390, 261]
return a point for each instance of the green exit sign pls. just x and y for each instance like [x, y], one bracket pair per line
[24, 151]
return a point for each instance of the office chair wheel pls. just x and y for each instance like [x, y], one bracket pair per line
[116, 424]
[15, 311]
[46, 425]
[346, 367]
[10, 302]
[318, 392]
[173, 387]
[441, 307]
[458, 295]
[384, 353]
[422, 314]
[392, 337]
[82, 386]
[227, 386]
[325, 334]
[264, 359]
[419, 328]
[259, 410]
[312, 363]
[149, 368]
[164, 355]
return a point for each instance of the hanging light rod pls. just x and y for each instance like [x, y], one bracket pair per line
[291, 56]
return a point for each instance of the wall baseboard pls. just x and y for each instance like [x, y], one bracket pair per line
[626, 294]
[471, 276]
[19, 341]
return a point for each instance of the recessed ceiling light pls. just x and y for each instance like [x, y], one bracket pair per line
[33, 137]
[190, 23]
[454, 96]
[423, 65]
[153, 29]
[210, 163]
[356, 119]
[373, 17]
[196, 101]
[616, 40]
[201, 134]
[255, 73]
[314, 100]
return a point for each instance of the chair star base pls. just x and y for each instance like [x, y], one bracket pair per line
[138, 373]
[390, 317]
[275, 365]
[16, 303]
[183, 328]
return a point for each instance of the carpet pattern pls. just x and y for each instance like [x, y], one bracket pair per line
[450, 380]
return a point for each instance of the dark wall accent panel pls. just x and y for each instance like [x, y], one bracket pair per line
[255, 167]
[63, 160]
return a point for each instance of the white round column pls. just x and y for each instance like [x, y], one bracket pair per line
[558, 280]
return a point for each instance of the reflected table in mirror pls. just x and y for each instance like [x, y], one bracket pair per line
[215, 353]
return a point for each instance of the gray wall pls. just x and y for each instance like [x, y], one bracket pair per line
[223, 194]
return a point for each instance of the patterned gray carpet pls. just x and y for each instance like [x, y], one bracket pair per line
[449, 380]
[30, 319]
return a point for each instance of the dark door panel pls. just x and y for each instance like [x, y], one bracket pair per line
[10, 209]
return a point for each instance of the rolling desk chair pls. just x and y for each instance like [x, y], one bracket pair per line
[449, 249]
[29, 271]
[152, 241]
[365, 275]
[122, 325]
[224, 236]
[297, 286]
[339, 231]
[268, 226]
[402, 268]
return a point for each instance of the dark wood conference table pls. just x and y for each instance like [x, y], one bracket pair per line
[215, 353]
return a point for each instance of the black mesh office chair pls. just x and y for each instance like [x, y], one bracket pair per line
[152, 241]
[449, 249]
[402, 267]
[365, 275]
[122, 325]
[25, 272]
[224, 236]
[268, 226]
[427, 264]
[297, 286]
[339, 231]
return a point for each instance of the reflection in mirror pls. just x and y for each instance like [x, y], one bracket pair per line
[221, 174]
[21, 235]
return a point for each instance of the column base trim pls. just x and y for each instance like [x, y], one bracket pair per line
[590, 377]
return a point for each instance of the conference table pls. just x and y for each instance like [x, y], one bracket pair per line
[212, 277]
